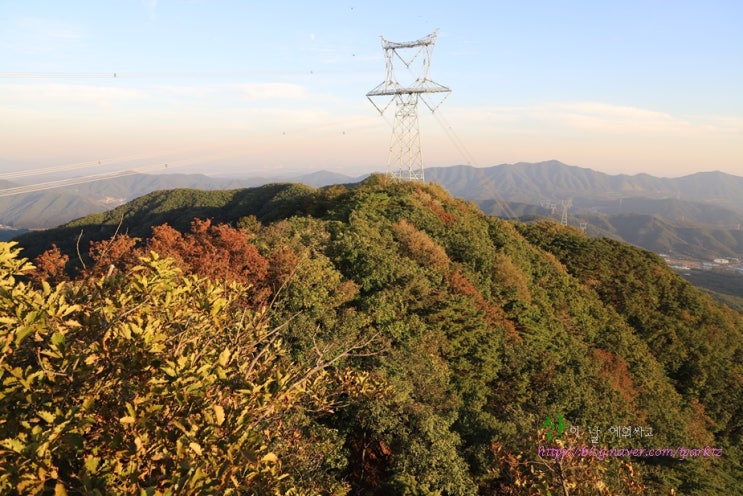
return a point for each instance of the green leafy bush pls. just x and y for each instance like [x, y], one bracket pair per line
[149, 381]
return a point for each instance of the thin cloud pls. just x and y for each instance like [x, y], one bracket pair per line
[624, 137]
[38, 27]
[251, 92]
[594, 118]
[189, 91]
[151, 9]
[271, 91]
[66, 94]
[32, 35]
[724, 124]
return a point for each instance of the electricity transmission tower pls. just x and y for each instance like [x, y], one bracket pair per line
[565, 205]
[404, 160]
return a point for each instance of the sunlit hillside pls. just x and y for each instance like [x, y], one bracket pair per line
[369, 339]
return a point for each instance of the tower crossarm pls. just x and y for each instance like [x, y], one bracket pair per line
[428, 40]
[427, 86]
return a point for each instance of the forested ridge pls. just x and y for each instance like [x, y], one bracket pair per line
[379, 338]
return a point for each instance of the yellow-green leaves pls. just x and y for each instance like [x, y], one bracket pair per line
[218, 414]
[13, 444]
[196, 447]
[224, 357]
[46, 416]
[57, 339]
[11, 264]
[158, 383]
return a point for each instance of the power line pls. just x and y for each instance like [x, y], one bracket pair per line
[74, 181]
[76, 166]
[203, 154]
[175, 74]
[33, 188]
[469, 158]
[165, 156]
[56, 75]
[454, 138]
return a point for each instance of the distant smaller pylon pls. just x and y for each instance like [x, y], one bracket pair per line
[565, 205]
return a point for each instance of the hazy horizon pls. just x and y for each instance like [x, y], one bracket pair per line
[48, 181]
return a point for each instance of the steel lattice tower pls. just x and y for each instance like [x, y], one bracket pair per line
[565, 205]
[405, 160]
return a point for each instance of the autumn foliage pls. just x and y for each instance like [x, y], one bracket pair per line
[380, 338]
[219, 252]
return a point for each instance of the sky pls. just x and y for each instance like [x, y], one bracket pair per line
[279, 87]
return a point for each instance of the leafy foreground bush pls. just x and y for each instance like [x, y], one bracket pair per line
[152, 382]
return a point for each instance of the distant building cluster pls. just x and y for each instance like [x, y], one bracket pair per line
[684, 265]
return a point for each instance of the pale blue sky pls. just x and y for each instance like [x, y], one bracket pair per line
[262, 87]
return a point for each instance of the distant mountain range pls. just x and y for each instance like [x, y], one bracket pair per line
[531, 183]
[53, 207]
[697, 215]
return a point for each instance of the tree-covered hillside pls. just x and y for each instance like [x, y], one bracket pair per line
[381, 338]
[44, 209]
